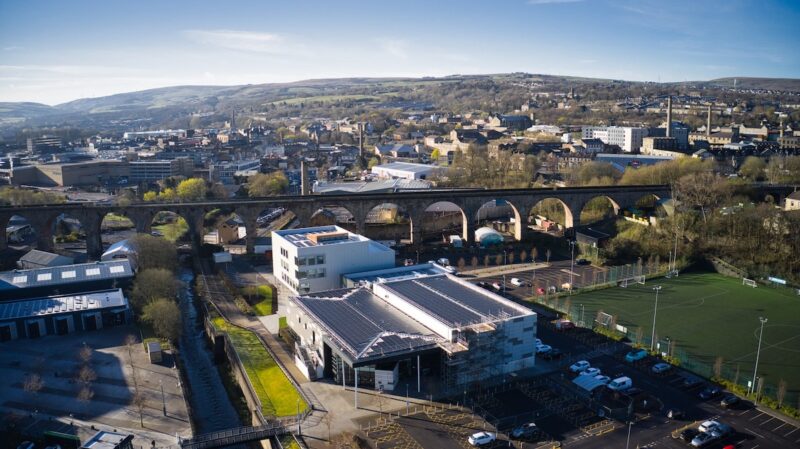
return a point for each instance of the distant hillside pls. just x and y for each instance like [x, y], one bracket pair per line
[783, 84]
[24, 110]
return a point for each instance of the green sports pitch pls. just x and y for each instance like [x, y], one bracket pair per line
[709, 316]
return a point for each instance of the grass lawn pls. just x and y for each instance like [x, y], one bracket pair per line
[264, 305]
[282, 322]
[278, 396]
[709, 315]
[114, 221]
[149, 335]
[173, 231]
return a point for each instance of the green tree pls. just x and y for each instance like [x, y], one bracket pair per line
[435, 155]
[165, 317]
[151, 284]
[373, 162]
[153, 252]
[271, 184]
[150, 196]
[753, 168]
[193, 189]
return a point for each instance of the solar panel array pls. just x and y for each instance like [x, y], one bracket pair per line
[453, 303]
[61, 304]
[37, 277]
[360, 321]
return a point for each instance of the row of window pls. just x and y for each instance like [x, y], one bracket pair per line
[310, 260]
[311, 273]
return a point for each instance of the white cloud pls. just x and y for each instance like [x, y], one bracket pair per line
[550, 2]
[249, 41]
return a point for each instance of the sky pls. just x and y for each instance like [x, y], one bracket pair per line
[56, 51]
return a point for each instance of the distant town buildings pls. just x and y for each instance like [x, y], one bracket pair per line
[629, 139]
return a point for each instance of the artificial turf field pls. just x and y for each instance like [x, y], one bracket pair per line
[710, 315]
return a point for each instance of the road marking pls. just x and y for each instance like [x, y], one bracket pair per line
[745, 412]
[760, 436]
[779, 427]
[793, 431]
[759, 414]
[767, 421]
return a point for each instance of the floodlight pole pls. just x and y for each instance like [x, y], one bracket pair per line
[655, 311]
[758, 353]
[628, 442]
[571, 262]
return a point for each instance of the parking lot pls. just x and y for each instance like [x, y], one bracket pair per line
[555, 275]
[565, 416]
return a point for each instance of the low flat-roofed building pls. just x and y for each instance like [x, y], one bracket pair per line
[60, 315]
[406, 170]
[109, 440]
[314, 259]
[42, 259]
[79, 278]
[397, 328]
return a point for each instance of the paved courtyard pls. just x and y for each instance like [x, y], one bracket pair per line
[57, 362]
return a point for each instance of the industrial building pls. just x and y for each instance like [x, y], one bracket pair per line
[406, 170]
[627, 138]
[314, 259]
[430, 331]
[65, 279]
[148, 171]
[60, 315]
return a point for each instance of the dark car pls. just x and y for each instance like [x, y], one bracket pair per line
[729, 401]
[482, 284]
[552, 354]
[527, 430]
[675, 413]
[709, 392]
[691, 381]
[582, 262]
[689, 434]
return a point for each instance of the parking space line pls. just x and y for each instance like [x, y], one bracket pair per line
[770, 419]
[759, 414]
[793, 431]
[745, 412]
[779, 427]
[754, 433]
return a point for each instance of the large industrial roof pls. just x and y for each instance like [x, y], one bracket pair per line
[65, 274]
[454, 303]
[420, 270]
[363, 326]
[30, 308]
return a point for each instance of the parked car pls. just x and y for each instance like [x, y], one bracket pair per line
[482, 284]
[703, 439]
[675, 413]
[661, 367]
[408, 262]
[481, 438]
[590, 372]
[543, 349]
[620, 384]
[579, 366]
[562, 325]
[443, 262]
[635, 355]
[517, 282]
[691, 381]
[687, 435]
[552, 354]
[730, 400]
[526, 430]
[708, 426]
[709, 392]
[603, 378]
[582, 262]
[722, 430]
[497, 286]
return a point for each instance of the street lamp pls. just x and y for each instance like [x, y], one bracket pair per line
[628, 442]
[163, 401]
[758, 353]
[655, 311]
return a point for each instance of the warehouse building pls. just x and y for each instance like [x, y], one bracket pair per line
[60, 315]
[65, 279]
[314, 259]
[431, 332]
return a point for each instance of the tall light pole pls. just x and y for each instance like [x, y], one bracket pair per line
[655, 311]
[163, 401]
[628, 442]
[758, 353]
[571, 262]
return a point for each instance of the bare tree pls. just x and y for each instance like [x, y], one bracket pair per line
[474, 262]
[781, 394]
[86, 376]
[718, 366]
[461, 264]
[512, 257]
[85, 354]
[535, 254]
[85, 395]
[523, 256]
[498, 260]
[130, 340]
[548, 253]
[33, 385]
[486, 260]
[139, 401]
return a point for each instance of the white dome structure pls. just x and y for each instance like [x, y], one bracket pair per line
[487, 236]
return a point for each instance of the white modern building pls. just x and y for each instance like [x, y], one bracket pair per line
[314, 259]
[414, 326]
[405, 170]
[627, 138]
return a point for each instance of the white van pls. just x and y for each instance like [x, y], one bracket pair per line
[620, 384]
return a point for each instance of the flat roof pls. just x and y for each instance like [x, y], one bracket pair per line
[306, 237]
[408, 166]
[365, 327]
[455, 303]
[412, 271]
[65, 274]
[53, 305]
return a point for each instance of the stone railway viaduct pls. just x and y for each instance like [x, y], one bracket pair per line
[42, 217]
